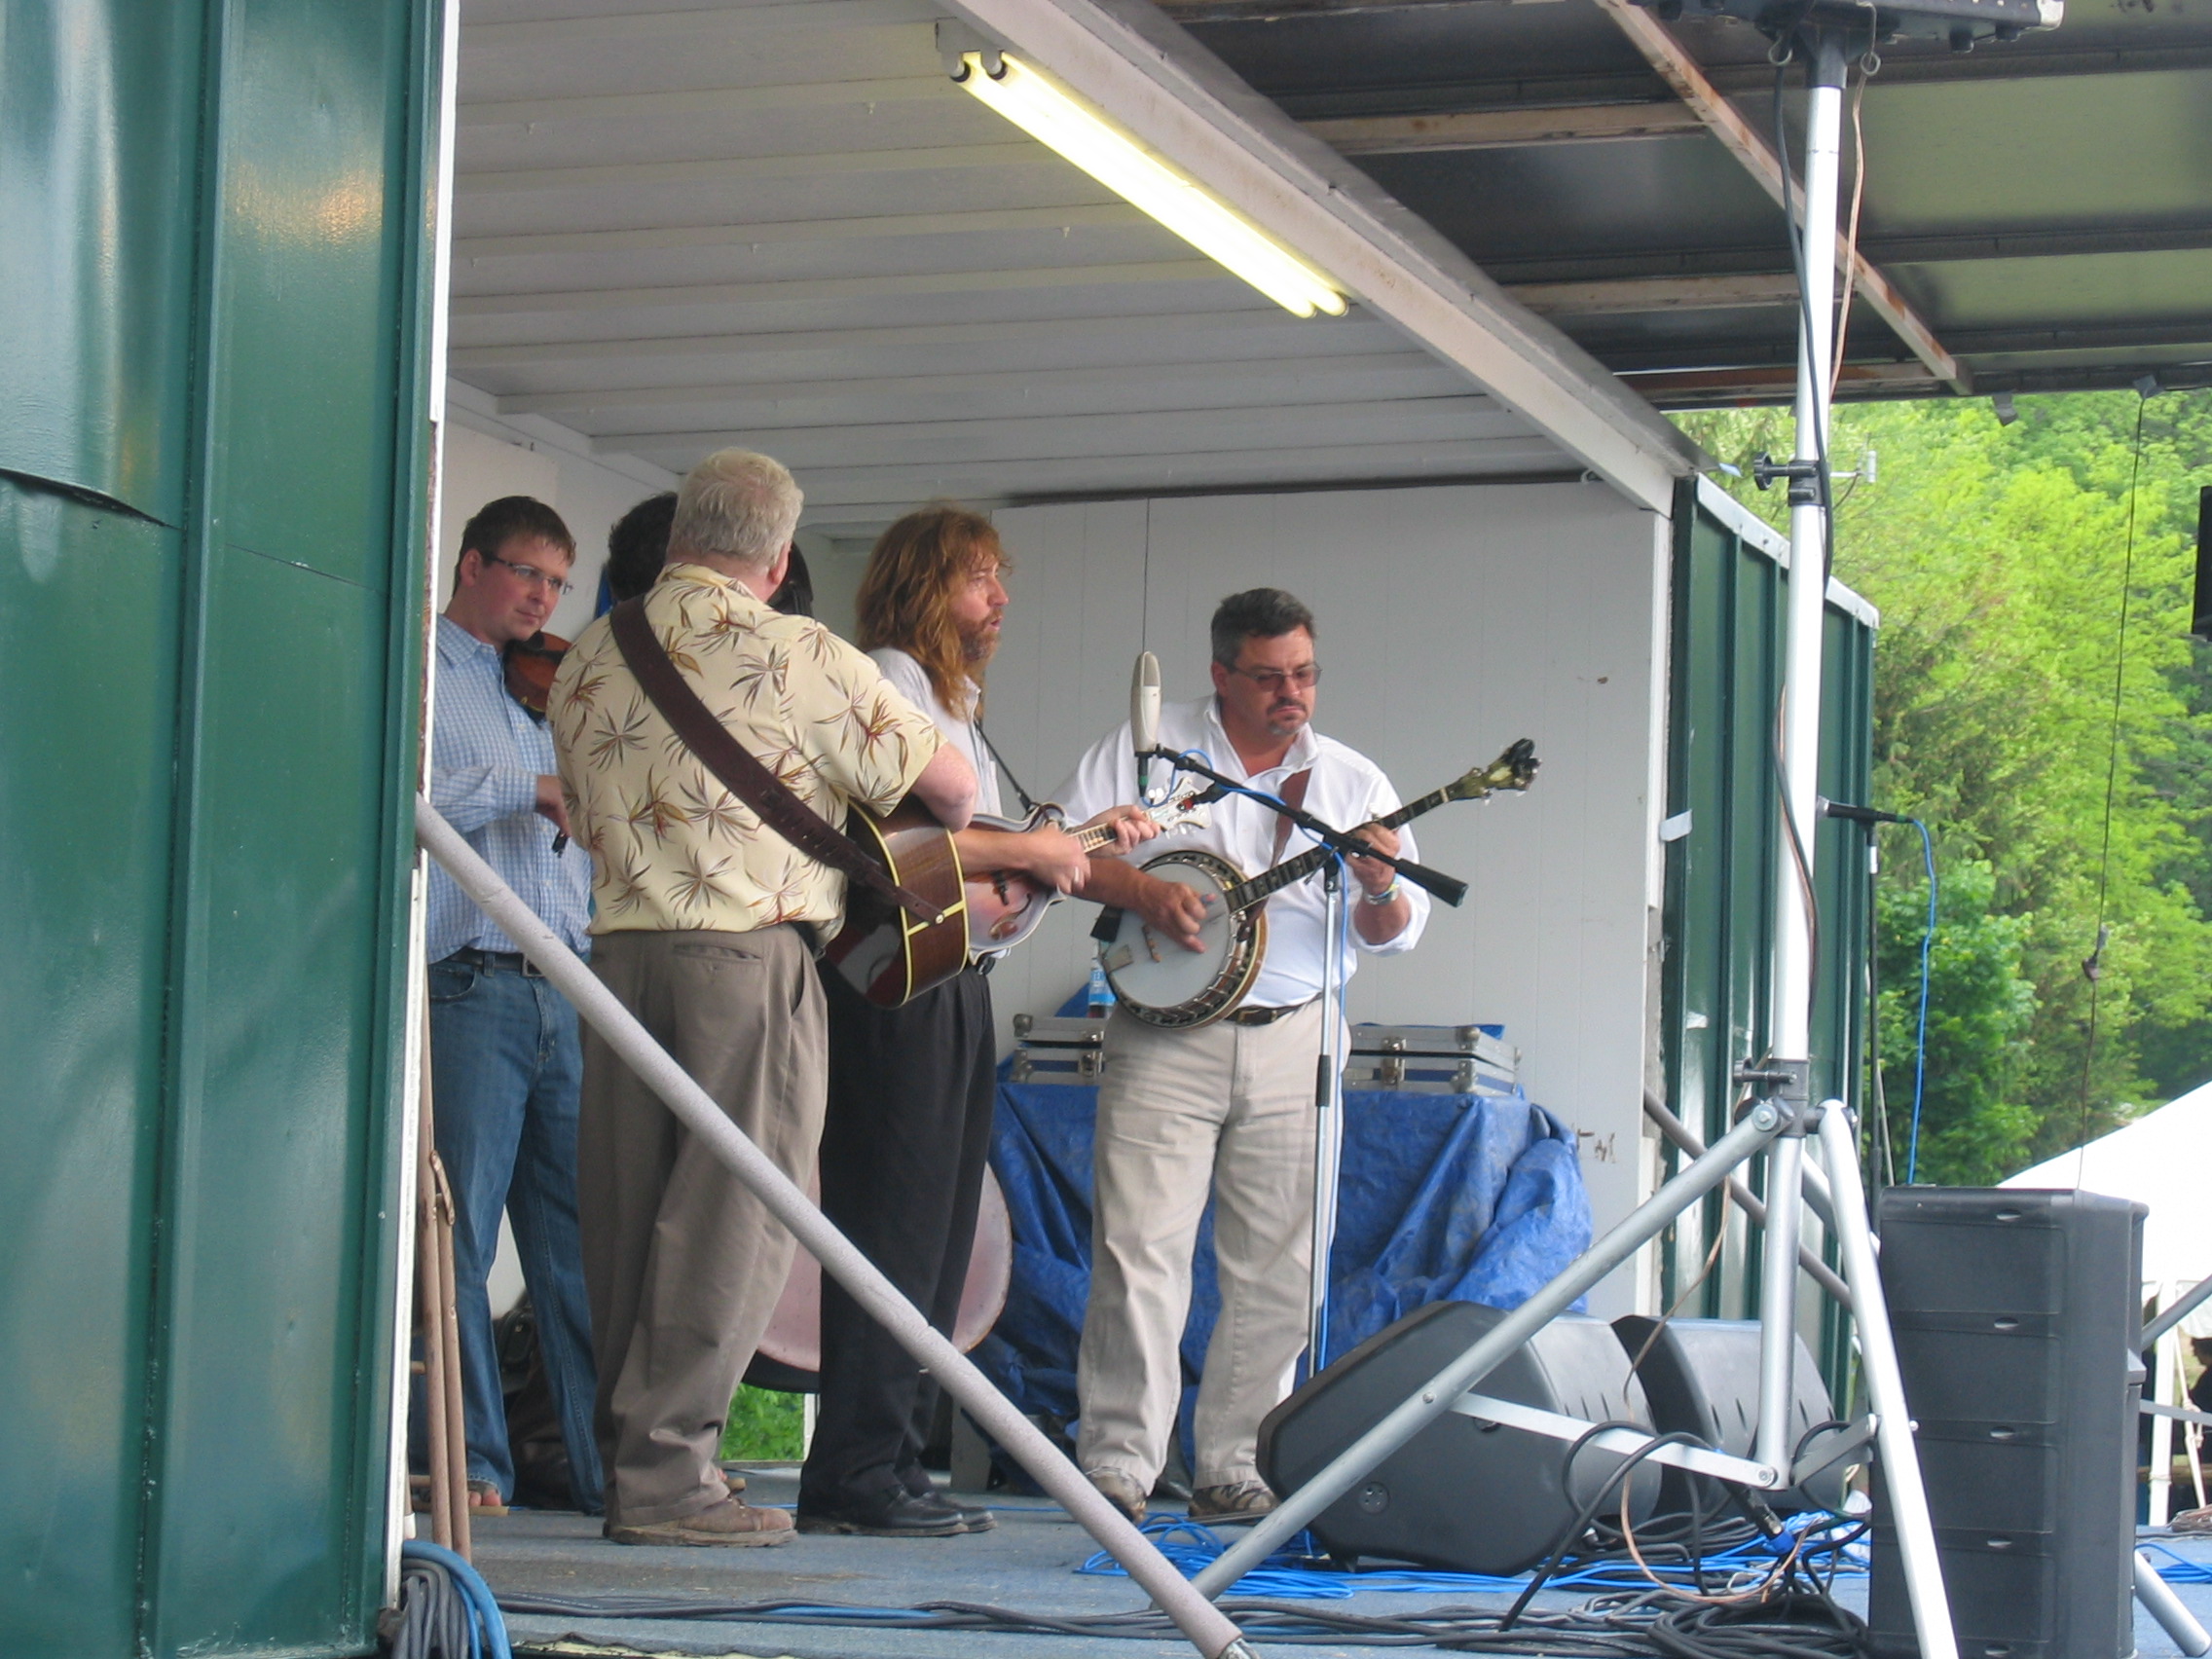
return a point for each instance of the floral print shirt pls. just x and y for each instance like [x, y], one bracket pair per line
[671, 848]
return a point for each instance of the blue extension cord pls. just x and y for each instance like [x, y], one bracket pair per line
[1192, 1547]
[487, 1631]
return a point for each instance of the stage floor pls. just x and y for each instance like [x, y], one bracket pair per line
[1026, 1563]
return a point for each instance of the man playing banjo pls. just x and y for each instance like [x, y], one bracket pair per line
[1227, 1107]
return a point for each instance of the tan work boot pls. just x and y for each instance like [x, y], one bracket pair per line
[728, 1522]
[1118, 1490]
[1244, 1500]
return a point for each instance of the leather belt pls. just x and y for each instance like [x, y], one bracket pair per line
[505, 961]
[1265, 1016]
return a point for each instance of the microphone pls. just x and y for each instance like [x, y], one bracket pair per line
[1144, 716]
[1862, 814]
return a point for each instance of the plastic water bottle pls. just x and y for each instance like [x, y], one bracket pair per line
[1100, 1000]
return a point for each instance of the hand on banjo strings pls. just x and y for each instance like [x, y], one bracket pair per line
[1373, 875]
[1172, 911]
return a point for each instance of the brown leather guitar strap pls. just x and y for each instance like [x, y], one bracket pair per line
[1293, 796]
[740, 773]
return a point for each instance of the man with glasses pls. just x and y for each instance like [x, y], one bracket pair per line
[1227, 1109]
[505, 1058]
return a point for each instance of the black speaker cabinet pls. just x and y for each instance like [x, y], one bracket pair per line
[2018, 1323]
[1701, 1377]
[1463, 1496]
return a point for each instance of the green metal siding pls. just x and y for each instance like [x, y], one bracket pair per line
[211, 481]
[1727, 631]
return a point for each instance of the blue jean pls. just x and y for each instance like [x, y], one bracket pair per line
[505, 1067]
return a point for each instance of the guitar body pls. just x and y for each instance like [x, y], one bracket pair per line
[884, 953]
[1161, 982]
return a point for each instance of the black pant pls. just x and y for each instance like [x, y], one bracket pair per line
[904, 1146]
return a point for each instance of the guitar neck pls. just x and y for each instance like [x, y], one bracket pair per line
[1246, 894]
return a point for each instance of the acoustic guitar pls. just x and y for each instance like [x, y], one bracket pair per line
[1163, 984]
[890, 957]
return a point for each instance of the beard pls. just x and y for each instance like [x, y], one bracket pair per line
[978, 645]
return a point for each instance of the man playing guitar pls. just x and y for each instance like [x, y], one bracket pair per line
[911, 1088]
[1228, 1106]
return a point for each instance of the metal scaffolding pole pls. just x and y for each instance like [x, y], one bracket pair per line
[1209, 1630]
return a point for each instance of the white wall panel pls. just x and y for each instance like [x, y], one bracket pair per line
[1451, 621]
[588, 496]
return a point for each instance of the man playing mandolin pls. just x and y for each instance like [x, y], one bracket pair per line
[911, 1088]
[1228, 1107]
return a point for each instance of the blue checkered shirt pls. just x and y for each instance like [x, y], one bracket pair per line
[486, 757]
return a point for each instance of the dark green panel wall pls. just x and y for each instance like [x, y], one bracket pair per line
[211, 485]
[85, 813]
[1728, 646]
[99, 121]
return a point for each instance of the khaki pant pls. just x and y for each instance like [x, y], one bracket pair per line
[684, 1265]
[1227, 1109]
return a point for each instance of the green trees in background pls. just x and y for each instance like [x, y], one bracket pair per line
[1996, 555]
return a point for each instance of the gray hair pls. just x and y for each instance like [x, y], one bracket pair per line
[736, 504]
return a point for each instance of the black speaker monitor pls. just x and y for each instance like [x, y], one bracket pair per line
[1463, 1496]
[1701, 1377]
[2016, 1320]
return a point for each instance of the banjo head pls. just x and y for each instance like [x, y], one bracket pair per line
[1163, 984]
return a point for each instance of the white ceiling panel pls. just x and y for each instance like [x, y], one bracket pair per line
[781, 225]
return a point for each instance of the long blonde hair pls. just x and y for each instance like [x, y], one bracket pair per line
[905, 595]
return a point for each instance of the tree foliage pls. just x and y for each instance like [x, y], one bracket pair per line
[2060, 764]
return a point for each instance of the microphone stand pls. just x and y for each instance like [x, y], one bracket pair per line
[1329, 1069]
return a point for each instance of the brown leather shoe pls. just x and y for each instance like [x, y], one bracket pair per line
[1244, 1500]
[728, 1522]
[1118, 1490]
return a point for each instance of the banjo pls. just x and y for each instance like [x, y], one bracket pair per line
[1163, 984]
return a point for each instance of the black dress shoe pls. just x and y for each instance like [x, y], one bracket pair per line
[975, 1518]
[892, 1513]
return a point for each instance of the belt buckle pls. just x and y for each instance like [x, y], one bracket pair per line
[530, 969]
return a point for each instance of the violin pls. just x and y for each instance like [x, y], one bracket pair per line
[529, 666]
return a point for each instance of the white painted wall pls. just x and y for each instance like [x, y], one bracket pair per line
[1451, 621]
[486, 459]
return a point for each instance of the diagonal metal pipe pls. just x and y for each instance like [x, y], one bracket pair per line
[1208, 1629]
[1435, 1399]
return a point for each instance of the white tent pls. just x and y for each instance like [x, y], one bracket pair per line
[2160, 1160]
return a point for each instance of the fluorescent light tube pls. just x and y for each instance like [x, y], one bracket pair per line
[1116, 161]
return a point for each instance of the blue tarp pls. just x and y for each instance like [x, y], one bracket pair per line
[1470, 1197]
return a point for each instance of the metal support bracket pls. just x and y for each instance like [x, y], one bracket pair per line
[1557, 1425]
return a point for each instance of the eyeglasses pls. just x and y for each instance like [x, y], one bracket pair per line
[531, 574]
[1275, 680]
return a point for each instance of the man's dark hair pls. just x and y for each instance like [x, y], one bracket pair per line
[796, 598]
[637, 546]
[498, 522]
[1266, 613]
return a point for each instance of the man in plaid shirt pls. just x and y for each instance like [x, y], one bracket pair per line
[504, 1055]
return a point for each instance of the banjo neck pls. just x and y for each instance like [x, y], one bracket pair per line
[1247, 893]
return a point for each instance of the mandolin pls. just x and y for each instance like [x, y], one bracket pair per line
[1163, 984]
[891, 957]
